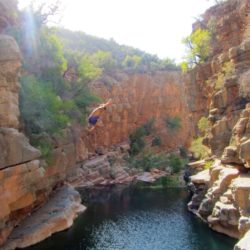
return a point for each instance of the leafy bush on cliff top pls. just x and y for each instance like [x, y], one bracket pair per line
[198, 45]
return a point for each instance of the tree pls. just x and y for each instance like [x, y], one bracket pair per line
[197, 47]
[103, 59]
[87, 69]
[131, 61]
[51, 51]
[41, 109]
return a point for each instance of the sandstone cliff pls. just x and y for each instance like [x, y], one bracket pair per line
[221, 194]
[25, 182]
[138, 98]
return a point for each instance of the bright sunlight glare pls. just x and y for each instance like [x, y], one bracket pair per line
[155, 26]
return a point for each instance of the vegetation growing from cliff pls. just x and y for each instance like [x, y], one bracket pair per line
[208, 164]
[203, 125]
[49, 101]
[197, 44]
[59, 64]
[42, 110]
[148, 160]
[227, 70]
[156, 141]
[173, 123]
[163, 182]
[144, 158]
[199, 150]
[137, 142]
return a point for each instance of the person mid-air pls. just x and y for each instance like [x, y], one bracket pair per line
[95, 116]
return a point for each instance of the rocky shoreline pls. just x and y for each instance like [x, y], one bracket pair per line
[65, 204]
[221, 199]
[56, 215]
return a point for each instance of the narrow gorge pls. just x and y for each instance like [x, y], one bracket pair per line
[153, 122]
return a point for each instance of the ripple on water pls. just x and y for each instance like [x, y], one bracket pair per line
[143, 230]
[135, 219]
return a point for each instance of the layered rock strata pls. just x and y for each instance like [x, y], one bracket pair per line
[139, 98]
[25, 181]
[221, 194]
[57, 215]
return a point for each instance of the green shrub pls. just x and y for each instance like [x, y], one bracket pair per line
[136, 147]
[183, 152]
[149, 126]
[147, 161]
[208, 164]
[197, 44]
[41, 109]
[163, 182]
[137, 142]
[176, 163]
[203, 124]
[173, 123]
[169, 181]
[198, 149]
[45, 147]
[156, 141]
[227, 70]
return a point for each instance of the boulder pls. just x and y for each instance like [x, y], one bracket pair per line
[245, 153]
[230, 155]
[57, 215]
[15, 148]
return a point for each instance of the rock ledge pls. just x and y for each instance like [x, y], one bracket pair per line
[57, 215]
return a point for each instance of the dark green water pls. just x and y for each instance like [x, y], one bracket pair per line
[137, 219]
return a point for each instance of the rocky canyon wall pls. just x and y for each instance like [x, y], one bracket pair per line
[25, 180]
[222, 193]
[138, 98]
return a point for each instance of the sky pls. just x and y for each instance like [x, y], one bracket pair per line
[155, 26]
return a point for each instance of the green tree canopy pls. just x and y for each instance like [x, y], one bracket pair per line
[87, 69]
[197, 45]
[132, 61]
